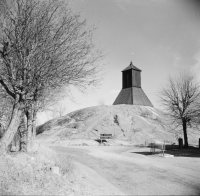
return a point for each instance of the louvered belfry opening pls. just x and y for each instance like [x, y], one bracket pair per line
[131, 76]
[126, 81]
[132, 93]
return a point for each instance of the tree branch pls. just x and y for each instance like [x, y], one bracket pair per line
[7, 89]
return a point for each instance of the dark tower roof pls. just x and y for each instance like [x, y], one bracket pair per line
[132, 96]
[131, 66]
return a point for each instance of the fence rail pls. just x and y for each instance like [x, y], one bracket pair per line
[157, 145]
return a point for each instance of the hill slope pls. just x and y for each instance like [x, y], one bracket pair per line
[129, 124]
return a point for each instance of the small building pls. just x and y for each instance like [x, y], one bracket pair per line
[132, 93]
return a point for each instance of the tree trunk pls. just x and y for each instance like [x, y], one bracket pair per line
[15, 144]
[23, 134]
[184, 123]
[12, 128]
[29, 115]
[34, 120]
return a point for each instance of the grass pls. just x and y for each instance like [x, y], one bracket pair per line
[30, 173]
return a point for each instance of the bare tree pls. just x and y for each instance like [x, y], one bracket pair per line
[58, 111]
[101, 102]
[45, 48]
[181, 98]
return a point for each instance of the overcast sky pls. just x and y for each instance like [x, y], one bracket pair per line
[160, 37]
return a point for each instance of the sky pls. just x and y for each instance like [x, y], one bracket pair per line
[160, 37]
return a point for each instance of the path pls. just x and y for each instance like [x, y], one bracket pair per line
[135, 174]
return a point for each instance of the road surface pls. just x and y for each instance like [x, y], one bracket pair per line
[133, 173]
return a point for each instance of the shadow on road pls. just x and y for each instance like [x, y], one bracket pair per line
[176, 152]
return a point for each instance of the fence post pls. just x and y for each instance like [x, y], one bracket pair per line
[199, 142]
[180, 142]
[164, 148]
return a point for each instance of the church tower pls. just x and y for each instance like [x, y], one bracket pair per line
[132, 93]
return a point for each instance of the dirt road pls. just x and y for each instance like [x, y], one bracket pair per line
[132, 173]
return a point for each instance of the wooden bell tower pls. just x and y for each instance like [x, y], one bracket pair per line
[132, 93]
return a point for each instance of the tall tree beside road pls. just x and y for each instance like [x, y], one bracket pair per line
[45, 47]
[181, 98]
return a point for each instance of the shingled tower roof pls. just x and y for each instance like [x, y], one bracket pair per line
[132, 93]
[131, 66]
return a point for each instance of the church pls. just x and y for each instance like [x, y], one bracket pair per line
[131, 92]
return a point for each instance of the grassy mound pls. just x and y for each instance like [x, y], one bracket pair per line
[130, 123]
